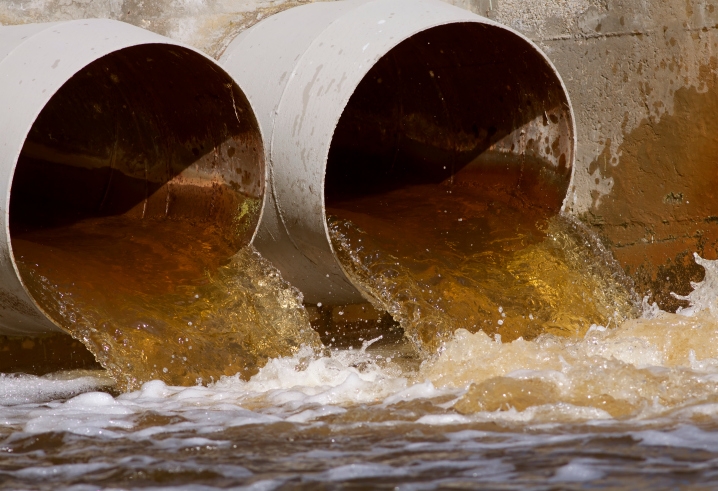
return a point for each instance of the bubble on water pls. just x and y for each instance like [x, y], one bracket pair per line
[578, 470]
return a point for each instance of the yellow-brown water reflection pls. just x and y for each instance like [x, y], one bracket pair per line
[163, 299]
[478, 255]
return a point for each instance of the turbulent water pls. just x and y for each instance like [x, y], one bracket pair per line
[497, 259]
[554, 380]
[555, 285]
[630, 407]
[146, 305]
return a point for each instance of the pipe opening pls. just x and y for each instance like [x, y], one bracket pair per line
[445, 175]
[463, 106]
[140, 177]
[146, 164]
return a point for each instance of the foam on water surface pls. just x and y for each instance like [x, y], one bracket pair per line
[652, 367]
[469, 413]
[22, 389]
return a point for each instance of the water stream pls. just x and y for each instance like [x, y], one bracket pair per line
[630, 407]
[524, 364]
[165, 300]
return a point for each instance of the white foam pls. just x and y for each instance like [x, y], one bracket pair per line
[62, 471]
[93, 400]
[622, 364]
[299, 389]
[443, 419]
[360, 471]
[424, 390]
[578, 470]
[685, 436]
[350, 376]
[23, 389]
[251, 418]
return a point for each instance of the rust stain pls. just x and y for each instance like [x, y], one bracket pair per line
[663, 204]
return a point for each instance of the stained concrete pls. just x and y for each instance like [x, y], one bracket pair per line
[642, 78]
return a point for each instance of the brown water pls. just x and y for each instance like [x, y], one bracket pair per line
[583, 395]
[163, 299]
[446, 257]
[634, 407]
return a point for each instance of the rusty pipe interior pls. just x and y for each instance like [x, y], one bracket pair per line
[467, 105]
[143, 173]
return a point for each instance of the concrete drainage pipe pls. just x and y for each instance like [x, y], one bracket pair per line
[110, 129]
[360, 96]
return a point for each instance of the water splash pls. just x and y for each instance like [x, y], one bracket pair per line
[648, 367]
[646, 388]
[231, 321]
[704, 295]
[560, 283]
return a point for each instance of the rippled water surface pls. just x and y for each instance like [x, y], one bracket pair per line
[631, 408]
[570, 389]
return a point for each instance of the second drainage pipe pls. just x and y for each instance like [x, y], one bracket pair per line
[345, 90]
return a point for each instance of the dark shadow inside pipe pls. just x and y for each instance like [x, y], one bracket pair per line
[461, 104]
[142, 174]
[148, 132]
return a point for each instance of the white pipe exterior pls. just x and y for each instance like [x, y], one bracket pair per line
[299, 69]
[36, 60]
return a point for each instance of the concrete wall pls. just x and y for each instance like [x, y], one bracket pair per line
[642, 78]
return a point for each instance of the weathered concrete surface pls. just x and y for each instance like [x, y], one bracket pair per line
[206, 24]
[642, 78]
